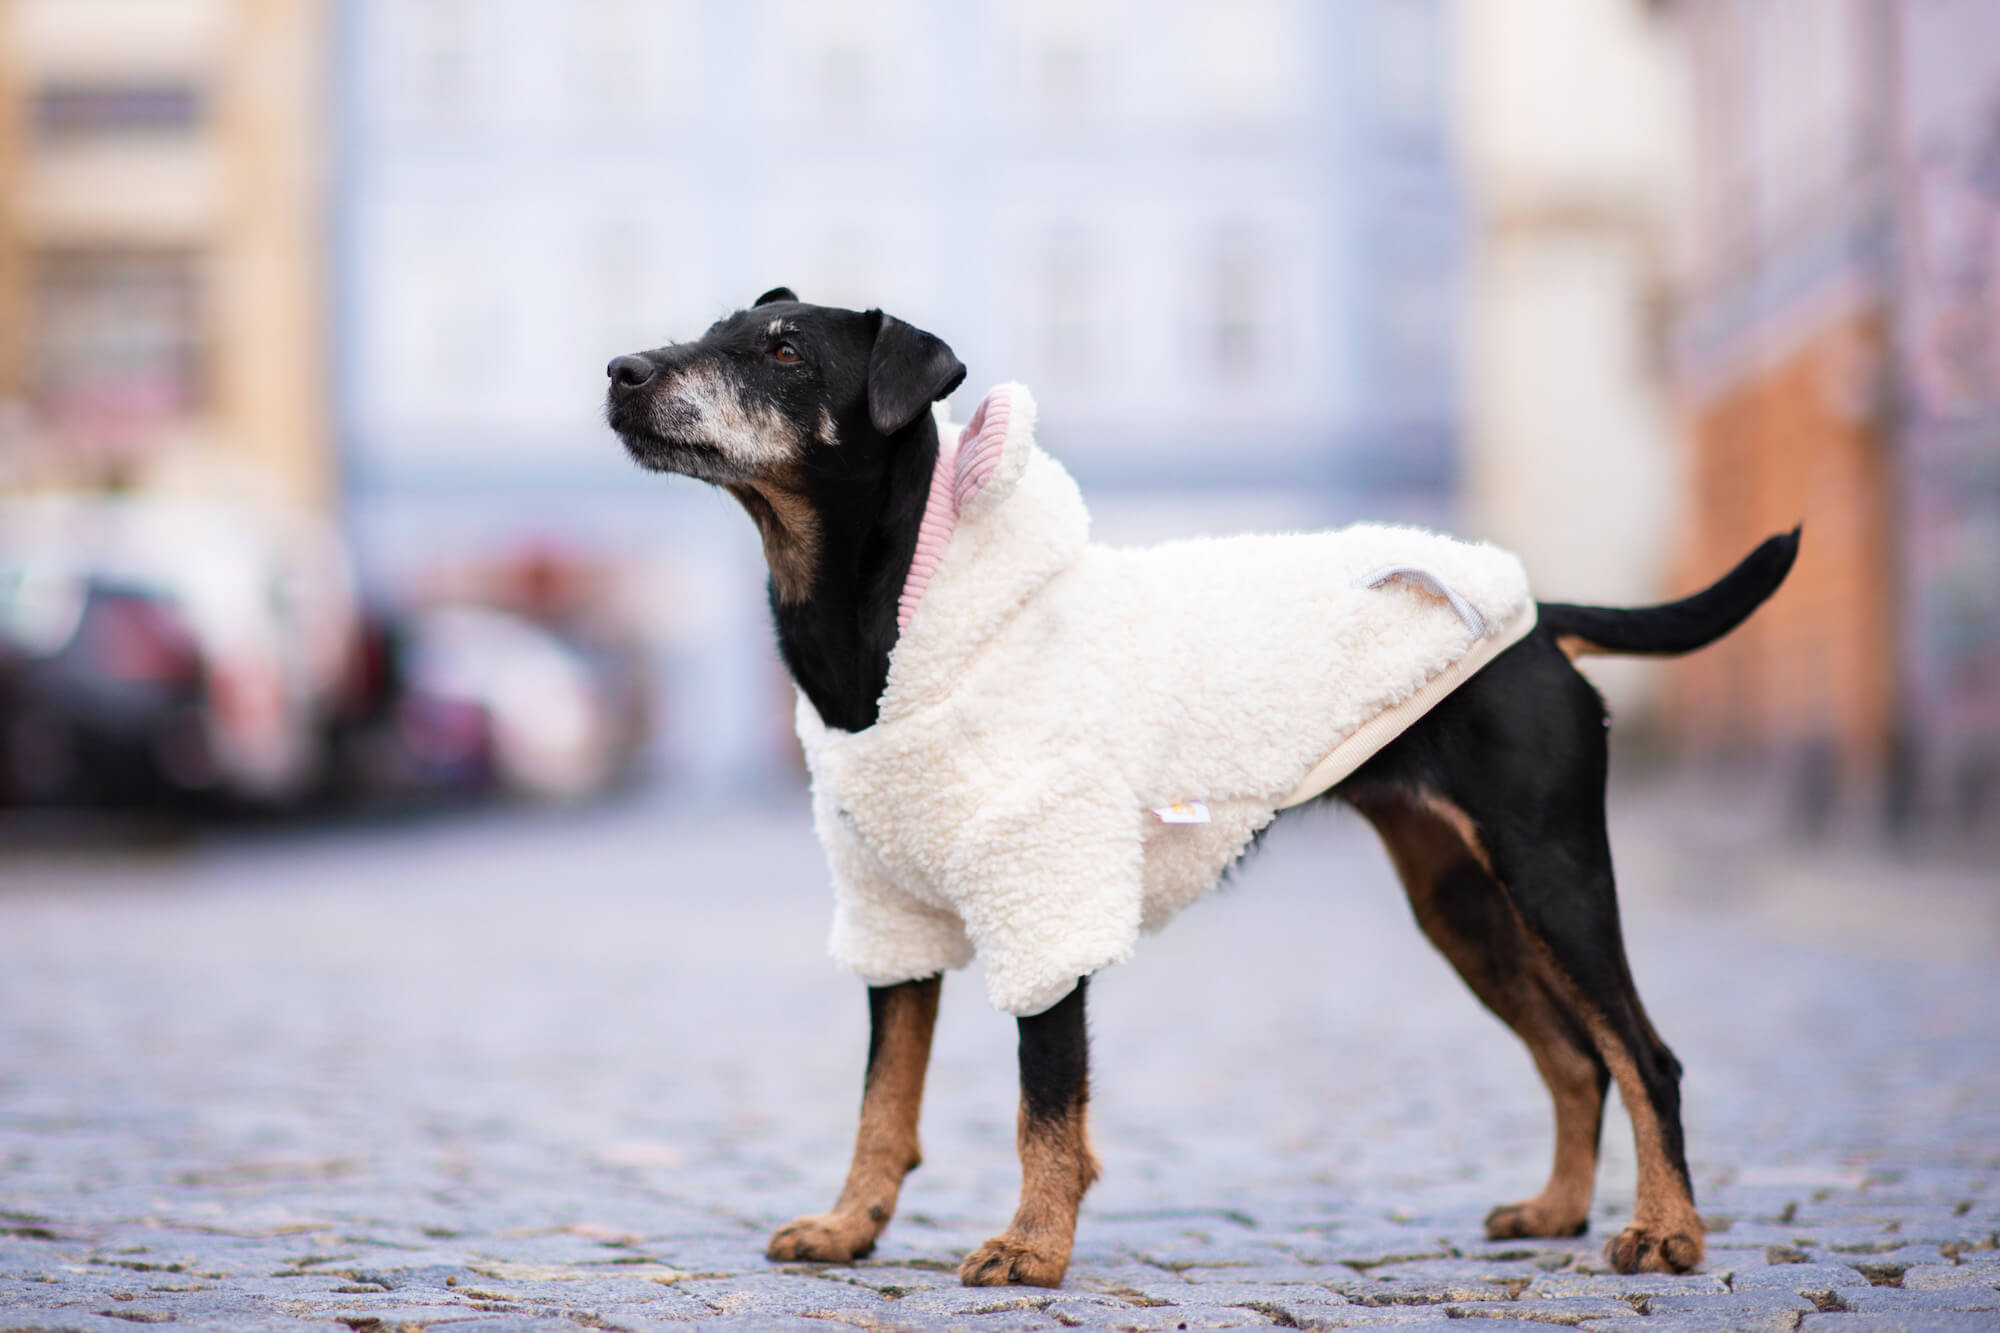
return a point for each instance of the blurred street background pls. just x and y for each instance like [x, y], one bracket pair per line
[306, 505]
[408, 907]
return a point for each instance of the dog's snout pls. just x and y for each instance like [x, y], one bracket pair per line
[629, 372]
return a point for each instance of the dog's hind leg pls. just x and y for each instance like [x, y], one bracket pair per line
[901, 1020]
[1467, 915]
[1057, 1165]
[1561, 883]
[1518, 754]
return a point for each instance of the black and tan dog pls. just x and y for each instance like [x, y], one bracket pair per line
[1491, 806]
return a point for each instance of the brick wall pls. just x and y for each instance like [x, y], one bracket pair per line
[1794, 439]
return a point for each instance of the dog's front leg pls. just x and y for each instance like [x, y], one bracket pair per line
[901, 1019]
[1057, 1165]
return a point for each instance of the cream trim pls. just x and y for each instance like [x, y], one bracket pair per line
[1385, 726]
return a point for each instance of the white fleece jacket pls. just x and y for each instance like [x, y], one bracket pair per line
[1049, 701]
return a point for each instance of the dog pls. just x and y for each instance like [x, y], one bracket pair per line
[820, 422]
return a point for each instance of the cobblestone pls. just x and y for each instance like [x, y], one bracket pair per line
[1936, 1321]
[1801, 1279]
[1891, 1300]
[566, 1071]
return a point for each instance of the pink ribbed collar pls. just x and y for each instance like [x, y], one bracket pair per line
[963, 466]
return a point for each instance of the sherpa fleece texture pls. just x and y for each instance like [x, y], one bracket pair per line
[1047, 695]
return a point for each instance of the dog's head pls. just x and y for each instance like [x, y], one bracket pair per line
[775, 391]
[817, 421]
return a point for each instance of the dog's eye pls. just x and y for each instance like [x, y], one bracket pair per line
[785, 352]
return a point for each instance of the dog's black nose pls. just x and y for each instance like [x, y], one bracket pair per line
[629, 372]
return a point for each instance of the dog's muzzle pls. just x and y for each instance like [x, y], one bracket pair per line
[628, 403]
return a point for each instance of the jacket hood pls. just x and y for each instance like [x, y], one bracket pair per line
[1003, 519]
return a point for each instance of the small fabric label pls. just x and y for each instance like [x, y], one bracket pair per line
[1182, 812]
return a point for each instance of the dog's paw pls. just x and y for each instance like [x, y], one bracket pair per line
[1654, 1249]
[829, 1238]
[1008, 1260]
[1532, 1217]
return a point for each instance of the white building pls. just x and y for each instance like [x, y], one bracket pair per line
[1573, 139]
[1220, 242]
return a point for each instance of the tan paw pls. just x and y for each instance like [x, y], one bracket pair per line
[1532, 1217]
[1007, 1260]
[1654, 1249]
[830, 1238]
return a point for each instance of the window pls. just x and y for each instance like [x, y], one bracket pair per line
[632, 58]
[464, 316]
[73, 111]
[1409, 92]
[831, 65]
[847, 267]
[432, 43]
[1237, 297]
[608, 57]
[1062, 62]
[618, 275]
[1065, 347]
[1243, 61]
[1414, 327]
[117, 347]
[841, 61]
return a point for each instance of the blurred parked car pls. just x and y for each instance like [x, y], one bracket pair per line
[166, 653]
[548, 727]
[102, 691]
[466, 700]
[163, 650]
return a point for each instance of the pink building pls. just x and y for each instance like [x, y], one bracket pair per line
[1837, 353]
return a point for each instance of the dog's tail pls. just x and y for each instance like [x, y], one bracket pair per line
[1675, 627]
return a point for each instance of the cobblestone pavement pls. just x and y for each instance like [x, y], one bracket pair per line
[562, 1070]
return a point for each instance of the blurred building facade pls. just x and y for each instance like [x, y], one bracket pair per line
[1570, 139]
[1220, 242]
[161, 246]
[1836, 351]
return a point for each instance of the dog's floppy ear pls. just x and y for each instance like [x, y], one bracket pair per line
[907, 372]
[775, 294]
